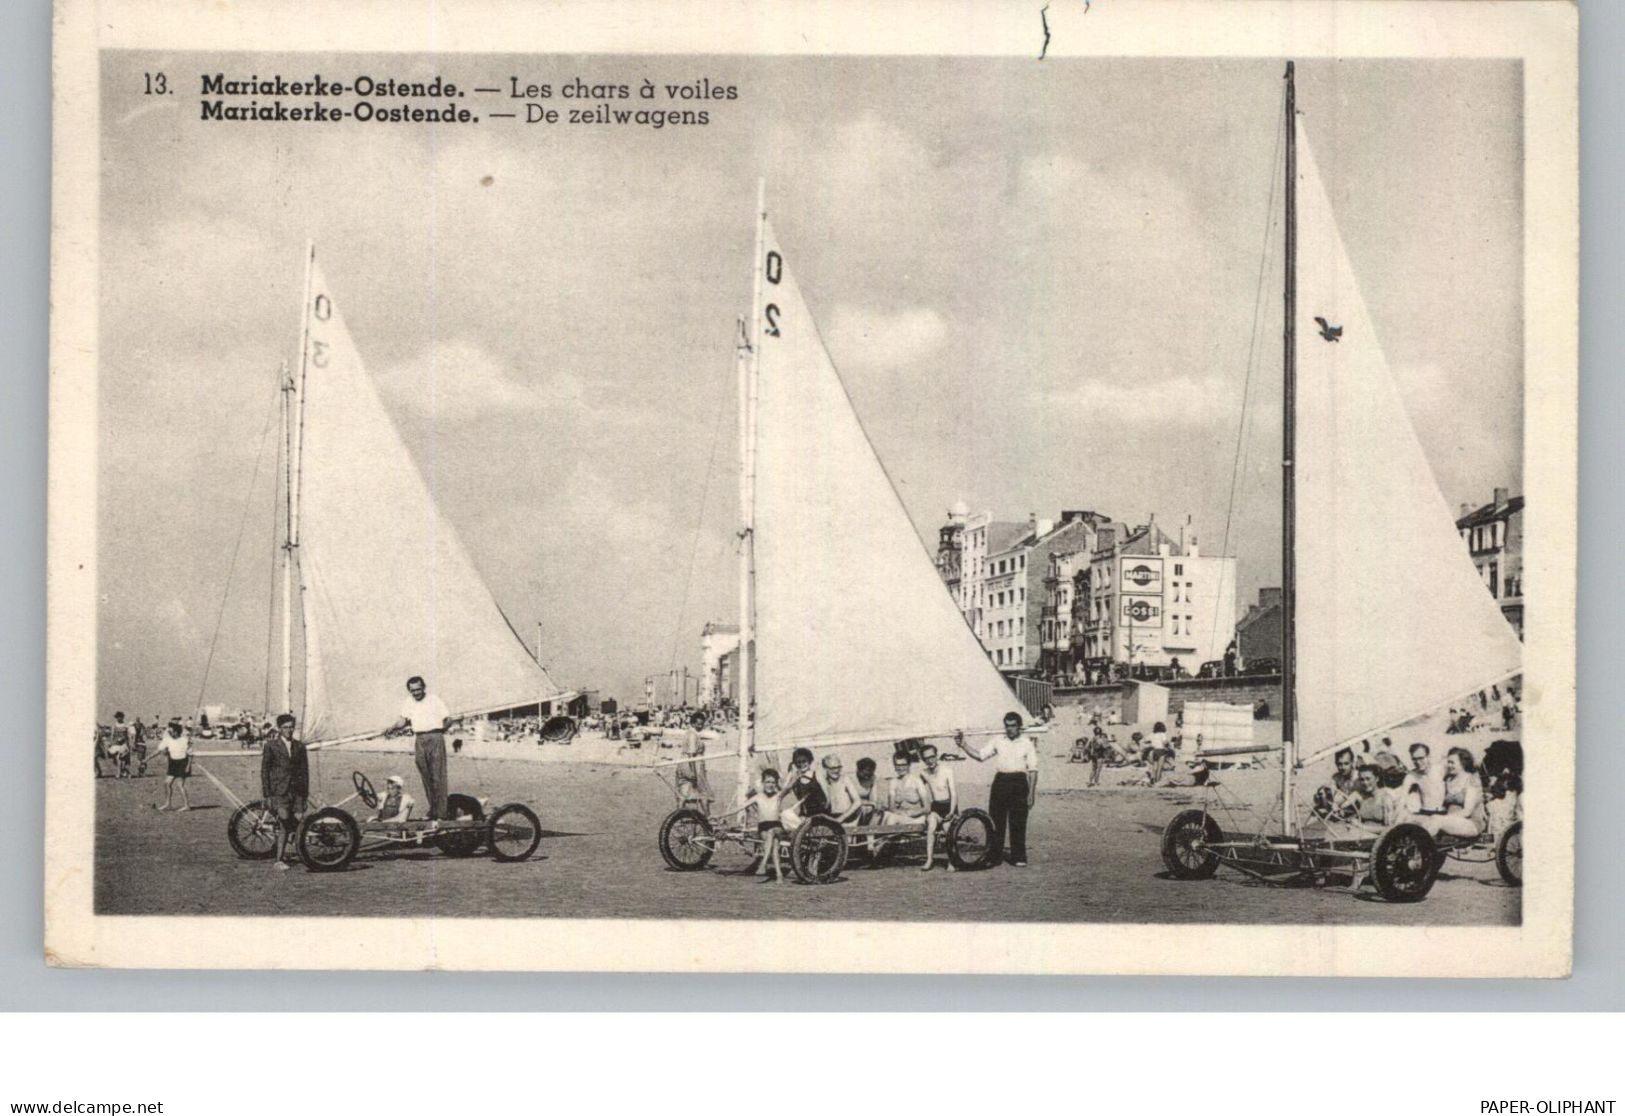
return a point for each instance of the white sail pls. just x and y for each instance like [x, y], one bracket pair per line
[388, 590]
[857, 638]
[1392, 619]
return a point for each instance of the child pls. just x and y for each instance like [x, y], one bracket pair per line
[178, 747]
[766, 800]
[765, 797]
[396, 805]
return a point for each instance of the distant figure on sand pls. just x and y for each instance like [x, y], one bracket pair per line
[427, 717]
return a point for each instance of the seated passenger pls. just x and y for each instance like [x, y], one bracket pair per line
[1371, 806]
[396, 805]
[944, 799]
[906, 800]
[1463, 811]
[1423, 782]
[847, 804]
[804, 797]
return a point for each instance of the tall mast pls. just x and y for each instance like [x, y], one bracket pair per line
[748, 359]
[287, 534]
[295, 472]
[1289, 704]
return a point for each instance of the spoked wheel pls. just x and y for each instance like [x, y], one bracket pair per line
[686, 841]
[818, 851]
[970, 841]
[328, 839]
[513, 832]
[1404, 863]
[363, 787]
[253, 831]
[1509, 854]
[1185, 846]
[462, 842]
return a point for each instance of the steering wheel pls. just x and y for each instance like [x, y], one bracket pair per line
[363, 787]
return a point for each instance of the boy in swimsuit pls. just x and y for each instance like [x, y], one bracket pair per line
[944, 800]
[767, 800]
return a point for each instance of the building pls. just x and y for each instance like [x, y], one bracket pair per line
[1151, 598]
[1066, 580]
[719, 658]
[1494, 537]
[978, 536]
[1259, 634]
[951, 551]
[996, 571]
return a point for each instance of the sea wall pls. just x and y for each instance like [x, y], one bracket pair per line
[1233, 691]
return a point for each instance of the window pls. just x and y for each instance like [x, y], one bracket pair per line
[1495, 583]
[1179, 570]
[1176, 625]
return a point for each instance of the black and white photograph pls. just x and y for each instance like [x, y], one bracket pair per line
[797, 495]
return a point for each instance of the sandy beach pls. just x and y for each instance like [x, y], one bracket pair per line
[1094, 851]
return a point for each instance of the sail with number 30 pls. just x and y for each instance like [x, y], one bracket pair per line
[387, 588]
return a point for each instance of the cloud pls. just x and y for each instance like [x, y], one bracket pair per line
[459, 381]
[864, 338]
[1186, 401]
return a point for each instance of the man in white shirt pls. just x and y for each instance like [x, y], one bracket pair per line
[427, 717]
[1015, 785]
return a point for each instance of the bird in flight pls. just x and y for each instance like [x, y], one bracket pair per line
[1328, 331]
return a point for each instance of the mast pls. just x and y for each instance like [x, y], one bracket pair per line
[294, 408]
[749, 369]
[1289, 750]
[287, 533]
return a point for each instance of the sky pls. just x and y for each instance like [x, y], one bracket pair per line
[1046, 286]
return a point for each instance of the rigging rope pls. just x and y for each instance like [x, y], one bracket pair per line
[699, 527]
[242, 529]
[1252, 351]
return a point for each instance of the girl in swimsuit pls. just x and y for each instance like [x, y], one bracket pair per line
[1463, 799]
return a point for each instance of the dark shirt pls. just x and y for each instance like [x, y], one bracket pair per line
[810, 797]
[284, 768]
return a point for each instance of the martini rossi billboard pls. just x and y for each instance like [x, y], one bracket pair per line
[1142, 576]
[1141, 611]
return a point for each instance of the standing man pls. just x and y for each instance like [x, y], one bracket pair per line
[427, 716]
[1015, 786]
[285, 782]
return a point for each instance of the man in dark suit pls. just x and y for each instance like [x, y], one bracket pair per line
[285, 781]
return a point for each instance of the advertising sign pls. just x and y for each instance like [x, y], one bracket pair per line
[1142, 611]
[1142, 575]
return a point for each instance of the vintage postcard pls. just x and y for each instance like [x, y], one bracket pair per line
[1083, 487]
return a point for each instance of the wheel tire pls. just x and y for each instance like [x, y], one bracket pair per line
[252, 831]
[463, 842]
[818, 851]
[970, 841]
[1404, 863]
[328, 840]
[678, 845]
[506, 846]
[1183, 845]
[1509, 854]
